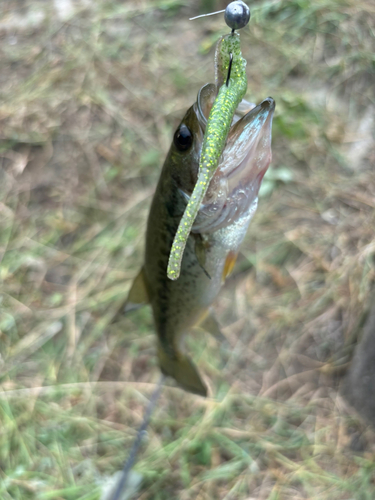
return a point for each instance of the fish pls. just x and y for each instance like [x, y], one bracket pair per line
[217, 233]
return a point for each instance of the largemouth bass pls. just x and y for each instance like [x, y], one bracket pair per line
[219, 228]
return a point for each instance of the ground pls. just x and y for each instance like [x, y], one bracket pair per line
[90, 94]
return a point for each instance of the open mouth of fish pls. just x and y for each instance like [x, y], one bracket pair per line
[233, 191]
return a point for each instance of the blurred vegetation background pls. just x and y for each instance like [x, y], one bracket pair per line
[90, 94]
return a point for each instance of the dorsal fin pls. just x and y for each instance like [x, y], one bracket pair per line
[137, 297]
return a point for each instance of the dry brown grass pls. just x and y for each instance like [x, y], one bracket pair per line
[88, 104]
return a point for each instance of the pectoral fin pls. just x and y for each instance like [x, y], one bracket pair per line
[200, 252]
[182, 369]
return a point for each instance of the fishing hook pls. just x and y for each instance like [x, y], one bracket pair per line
[229, 68]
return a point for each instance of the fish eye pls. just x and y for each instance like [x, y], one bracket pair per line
[183, 138]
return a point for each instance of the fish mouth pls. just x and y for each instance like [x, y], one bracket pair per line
[233, 191]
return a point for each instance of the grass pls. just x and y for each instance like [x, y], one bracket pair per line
[88, 105]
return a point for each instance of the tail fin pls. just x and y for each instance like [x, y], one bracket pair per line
[183, 371]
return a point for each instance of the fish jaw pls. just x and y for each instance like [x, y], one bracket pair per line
[245, 159]
[248, 154]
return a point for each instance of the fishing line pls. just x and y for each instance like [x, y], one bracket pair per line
[205, 15]
[128, 465]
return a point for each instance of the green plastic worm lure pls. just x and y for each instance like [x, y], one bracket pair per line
[219, 121]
